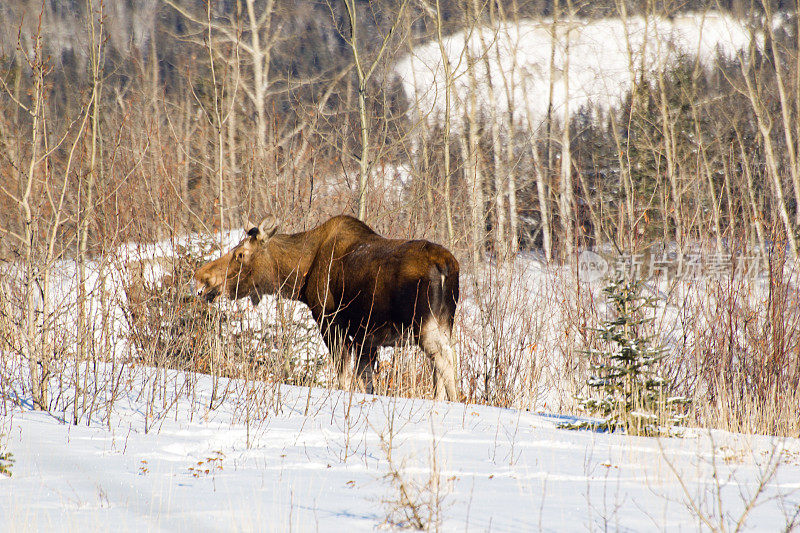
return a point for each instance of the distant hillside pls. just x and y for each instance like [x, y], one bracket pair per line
[206, 117]
[603, 59]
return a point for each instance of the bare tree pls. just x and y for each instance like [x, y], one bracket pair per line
[499, 241]
[86, 186]
[33, 318]
[510, 84]
[364, 71]
[41, 201]
[448, 95]
[470, 147]
[786, 104]
[752, 90]
[566, 199]
[255, 36]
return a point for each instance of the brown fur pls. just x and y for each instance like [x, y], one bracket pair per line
[364, 291]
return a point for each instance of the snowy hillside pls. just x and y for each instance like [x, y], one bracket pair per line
[164, 449]
[328, 461]
[600, 60]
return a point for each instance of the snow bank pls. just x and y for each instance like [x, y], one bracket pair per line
[600, 60]
[320, 463]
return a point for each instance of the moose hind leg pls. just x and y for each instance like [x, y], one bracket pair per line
[341, 361]
[435, 341]
[365, 362]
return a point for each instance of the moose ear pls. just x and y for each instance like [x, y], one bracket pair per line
[267, 228]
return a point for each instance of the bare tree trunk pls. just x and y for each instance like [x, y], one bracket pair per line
[774, 173]
[364, 164]
[231, 129]
[510, 86]
[232, 125]
[554, 39]
[566, 199]
[542, 192]
[542, 195]
[705, 169]
[421, 151]
[499, 246]
[364, 74]
[217, 124]
[629, 220]
[86, 194]
[154, 73]
[786, 108]
[513, 217]
[471, 155]
[669, 153]
[471, 158]
[187, 126]
[38, 364]
[727, 164]
[764, 122]
[752, 202]
[448, 89]
[261, 56]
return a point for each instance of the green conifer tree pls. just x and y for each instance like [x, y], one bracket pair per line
[630, 394]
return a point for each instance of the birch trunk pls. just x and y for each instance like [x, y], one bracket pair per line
[448, 90]
[542, 192]
[669, 154]
[752, 202]
[764, 122]
[566, 200]
[786, 109]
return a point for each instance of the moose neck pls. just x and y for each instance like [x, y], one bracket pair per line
[292, 255]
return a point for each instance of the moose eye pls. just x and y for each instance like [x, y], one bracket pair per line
[239, 255]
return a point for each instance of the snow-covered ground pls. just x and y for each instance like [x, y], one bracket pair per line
[277, 457]
[321, 463]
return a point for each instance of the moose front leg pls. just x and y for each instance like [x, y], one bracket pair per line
[339, 347]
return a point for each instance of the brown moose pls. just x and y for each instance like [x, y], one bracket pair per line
[364, 291]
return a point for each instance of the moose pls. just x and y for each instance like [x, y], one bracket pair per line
[364, 291]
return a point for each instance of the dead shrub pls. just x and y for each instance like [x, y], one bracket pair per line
[170, 327]
[744, 362]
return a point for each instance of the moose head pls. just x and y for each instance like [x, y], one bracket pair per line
[248, 269]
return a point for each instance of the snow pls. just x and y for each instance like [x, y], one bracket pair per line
[276, 457]
[600, 58]
[317, 463]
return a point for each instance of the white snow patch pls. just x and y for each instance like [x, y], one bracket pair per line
[326, 470]
[600, 59]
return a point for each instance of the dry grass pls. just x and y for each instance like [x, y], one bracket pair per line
[520, 330]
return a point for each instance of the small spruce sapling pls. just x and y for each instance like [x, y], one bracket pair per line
[6, 461]
[631, 395]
